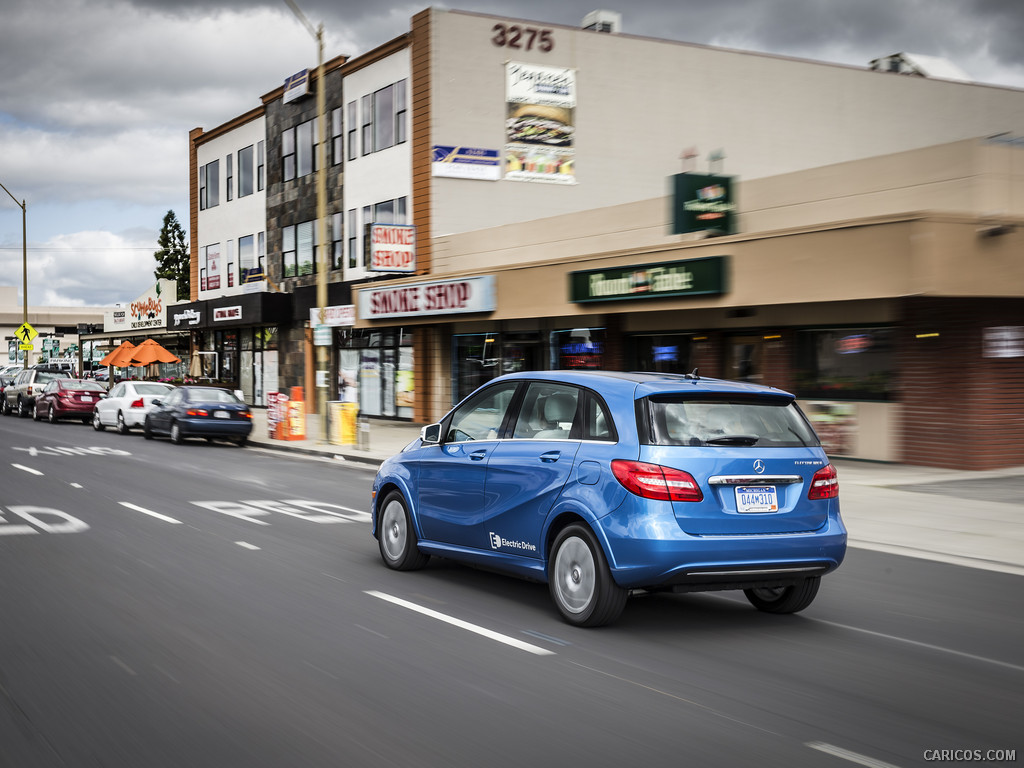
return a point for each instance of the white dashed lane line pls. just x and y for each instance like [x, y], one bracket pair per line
[23, 468]
[150, 512]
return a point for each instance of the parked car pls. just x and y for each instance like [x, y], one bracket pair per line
[5, 380]
[127, 404]
[20, 397]
[194, 411]
[599, 483]
[13, 369]
[67, 398]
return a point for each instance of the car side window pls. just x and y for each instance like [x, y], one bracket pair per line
[598, 422]
[548, 412]
[118, 391]
[481, 417]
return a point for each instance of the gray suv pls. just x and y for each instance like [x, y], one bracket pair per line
[20, 397]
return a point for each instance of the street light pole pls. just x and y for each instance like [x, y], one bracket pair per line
[322, 377]
[24, 263]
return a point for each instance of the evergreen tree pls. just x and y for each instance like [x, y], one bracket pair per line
[173, 258]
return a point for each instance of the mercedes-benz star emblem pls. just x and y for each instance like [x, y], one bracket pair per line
[759, 466]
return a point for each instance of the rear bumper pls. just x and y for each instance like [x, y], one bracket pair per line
[655, 553]
[215, 427]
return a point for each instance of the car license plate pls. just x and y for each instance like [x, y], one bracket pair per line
[756, 498]
[86, 398]
[221, 415]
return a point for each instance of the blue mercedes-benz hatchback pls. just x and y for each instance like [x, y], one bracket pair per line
[599, 483]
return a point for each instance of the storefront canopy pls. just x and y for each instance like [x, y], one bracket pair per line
[147, 353]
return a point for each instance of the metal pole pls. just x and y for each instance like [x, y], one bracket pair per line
[322, 255]
[24, 262]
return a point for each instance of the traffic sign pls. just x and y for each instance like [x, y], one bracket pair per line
[26, 333]
[26, 347]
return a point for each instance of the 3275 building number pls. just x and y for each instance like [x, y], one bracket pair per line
[523, 38]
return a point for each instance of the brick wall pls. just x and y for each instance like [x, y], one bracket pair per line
[960, 408]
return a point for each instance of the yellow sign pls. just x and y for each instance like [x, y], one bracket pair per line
[26, 347]
[26, 333]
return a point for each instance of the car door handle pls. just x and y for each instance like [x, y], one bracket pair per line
[550, 456]
[478, 455]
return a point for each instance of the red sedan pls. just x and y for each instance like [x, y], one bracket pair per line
[68, 399]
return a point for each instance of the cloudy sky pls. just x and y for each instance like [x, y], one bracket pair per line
[98, 96]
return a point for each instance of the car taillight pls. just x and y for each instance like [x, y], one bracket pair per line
[653, 481]
[824, 484]
[137, 403]
[245, 414]
[197, 412]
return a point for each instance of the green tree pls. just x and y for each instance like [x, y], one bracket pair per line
[173, 258]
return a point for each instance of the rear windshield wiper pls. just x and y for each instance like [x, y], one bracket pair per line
[733, 440]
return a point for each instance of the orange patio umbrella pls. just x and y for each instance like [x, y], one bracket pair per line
[119, 357]
[149, 352]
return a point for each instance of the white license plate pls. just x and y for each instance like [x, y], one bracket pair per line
[756, 498]
[221, 415]
[86, 399]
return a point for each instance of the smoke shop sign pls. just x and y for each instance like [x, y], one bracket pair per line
[692, 277]
[444, 297]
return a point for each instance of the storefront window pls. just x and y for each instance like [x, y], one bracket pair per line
[375, 370]
[845, 363]
[743, 358]
[664, 353]
[521, 352]
[475, 361]
[579, 348]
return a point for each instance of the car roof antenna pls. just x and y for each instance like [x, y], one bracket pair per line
[693, 375]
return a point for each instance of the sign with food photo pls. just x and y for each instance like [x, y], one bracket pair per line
[540, 122]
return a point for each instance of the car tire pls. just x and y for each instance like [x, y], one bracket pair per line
[176, 437]
[241, 441]
[580, 581]
[35, 414]
[147, 431]
[51, 415]
[396, 537]
[7, 407]
[122, 428]
[22, 410]
[97, 423]
[784, 599]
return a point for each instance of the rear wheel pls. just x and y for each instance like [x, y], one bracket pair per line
[396, 537]
[97, 424]
[580, 581]
[176, 436]
[122, 428]
[241, 441]
[784, 599]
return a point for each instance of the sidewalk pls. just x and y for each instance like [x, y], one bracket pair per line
[965, 518]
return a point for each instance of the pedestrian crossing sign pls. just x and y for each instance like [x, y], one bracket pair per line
[26, 333]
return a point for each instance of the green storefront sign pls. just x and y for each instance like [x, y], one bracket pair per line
[702, 203]
[691, 277]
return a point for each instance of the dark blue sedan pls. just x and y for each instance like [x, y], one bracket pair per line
[209, 412]
[601, 483]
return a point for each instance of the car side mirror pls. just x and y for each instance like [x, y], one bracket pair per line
[158, 402]
[431, 434]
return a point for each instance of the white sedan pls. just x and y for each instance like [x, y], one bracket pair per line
[126, 404]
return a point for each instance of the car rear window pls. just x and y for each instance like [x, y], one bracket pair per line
[727, 421]
[44, 376]
[152, 389]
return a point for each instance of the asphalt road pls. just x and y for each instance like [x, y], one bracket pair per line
[206, 605]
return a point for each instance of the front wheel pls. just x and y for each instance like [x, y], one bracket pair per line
[580, 581]
[35, 414]
[6, 407]
[396, 537]
[52, 416]
[784, 599]
[97, 423]
[22, 409]
[176, 436]
[147, 431]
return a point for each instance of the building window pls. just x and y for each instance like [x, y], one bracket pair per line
[209, 185]
[261, 255]
[363, 244]
[247, 259]
[577, 349]
[230, 259]
[352, 128]
[260, 166]
[298, 251]
[336, 136]
[383, 118]
[210, 281]
[337, 241]
[845, 363]
[353, 238]
[305, 148]
[245, 171]
[229, 166]
[401, 134]
[367, 137]
[288, 154]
